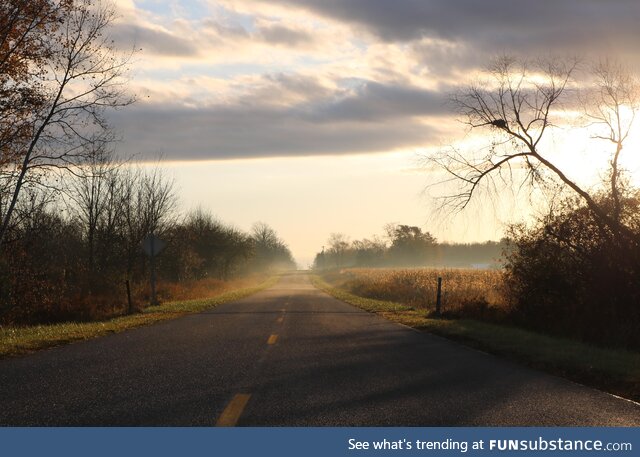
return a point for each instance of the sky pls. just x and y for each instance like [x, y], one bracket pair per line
[314, 115]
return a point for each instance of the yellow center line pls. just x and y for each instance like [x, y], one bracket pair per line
[272, 339]
[233, 411]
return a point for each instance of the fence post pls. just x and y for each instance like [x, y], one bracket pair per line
[439, 297]
[154, 299]
[129, 296]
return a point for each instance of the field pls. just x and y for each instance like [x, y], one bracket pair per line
[465, 292]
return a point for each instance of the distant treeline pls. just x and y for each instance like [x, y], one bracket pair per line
[407, 246]
[72, 215]
[68, 254]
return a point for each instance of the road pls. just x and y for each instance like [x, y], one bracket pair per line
[289, 355]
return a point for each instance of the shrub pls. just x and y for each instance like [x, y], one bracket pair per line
[571, 276]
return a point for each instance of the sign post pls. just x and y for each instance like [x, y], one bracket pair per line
[153, 245]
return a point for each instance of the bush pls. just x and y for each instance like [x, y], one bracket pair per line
[571, 276]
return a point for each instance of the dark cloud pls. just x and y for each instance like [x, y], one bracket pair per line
[375, 118]
[278, 88]
[494, 25]
[234, 133]
[281, 35]
[152, 40]
[445, 59]
[289, 114]
[374, 102]
[273, 34]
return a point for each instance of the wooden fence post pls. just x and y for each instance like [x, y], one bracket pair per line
[129, 296]
[439, 297]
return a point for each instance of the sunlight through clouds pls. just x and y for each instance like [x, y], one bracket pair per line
[308, 83]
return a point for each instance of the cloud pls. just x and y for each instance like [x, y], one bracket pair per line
[152, 40]
[312, 77]
[374, 102]
[220, 29]
[190, 134]
[283, 89]
[494, 25]
[371, 118]
[282, 35]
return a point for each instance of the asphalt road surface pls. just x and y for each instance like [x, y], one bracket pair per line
[289, 355]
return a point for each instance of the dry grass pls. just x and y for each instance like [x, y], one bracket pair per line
[471, 293]
[16, 341]
[110, 301]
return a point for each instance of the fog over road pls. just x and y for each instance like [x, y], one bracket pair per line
[289, 355]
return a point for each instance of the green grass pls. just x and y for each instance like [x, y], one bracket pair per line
[16, 341]
[615, 371]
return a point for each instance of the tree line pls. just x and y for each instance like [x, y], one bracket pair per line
[68, 253]
[406, 246]
[72, 213]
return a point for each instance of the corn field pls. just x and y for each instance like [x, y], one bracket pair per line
[465, 292]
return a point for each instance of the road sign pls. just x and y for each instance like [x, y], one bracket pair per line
[153, 245]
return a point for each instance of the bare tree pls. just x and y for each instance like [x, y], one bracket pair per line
[156, 201]
[148, 202]
[80, 77]
[90, 192]
[517, 103]
[264, 235]
[338, 246]
[611, 107]
[269, 250]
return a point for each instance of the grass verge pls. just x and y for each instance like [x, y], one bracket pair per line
[615, 371]
[15, 341]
